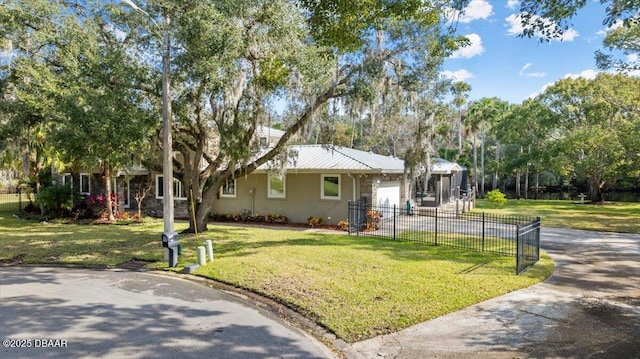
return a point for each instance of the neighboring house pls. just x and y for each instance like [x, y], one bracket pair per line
[318, 182]
[446, 177]
[124, 183]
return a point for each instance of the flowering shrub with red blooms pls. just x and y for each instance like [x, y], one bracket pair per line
[101, 199]
[99, 202]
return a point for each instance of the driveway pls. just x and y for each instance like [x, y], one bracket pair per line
[588, 308]
[67, 313]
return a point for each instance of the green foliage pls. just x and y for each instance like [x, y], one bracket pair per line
[55, 199]
[497, 198]
[550, 19]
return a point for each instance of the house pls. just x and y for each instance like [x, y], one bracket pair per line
[445, 178]
[319, 181]
[124, 183]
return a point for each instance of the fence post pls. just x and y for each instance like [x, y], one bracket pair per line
[483, 224]
[517, 249]
[394, 222]
[538, 239]
[436, 226]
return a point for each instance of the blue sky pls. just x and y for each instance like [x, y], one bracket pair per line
[500, 64]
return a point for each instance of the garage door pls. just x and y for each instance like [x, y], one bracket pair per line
[388, 194]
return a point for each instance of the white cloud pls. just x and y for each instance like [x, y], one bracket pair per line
[474, 48]
[513, 4]
[459, 75]
[616, 25]
[589, 74]
[523, 71]
[515, 27]
[476, 10]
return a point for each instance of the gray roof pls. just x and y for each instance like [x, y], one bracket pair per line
[442, 166]
[315, 158]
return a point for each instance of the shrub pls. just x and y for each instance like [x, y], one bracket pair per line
[373, 219]
[314, 221]
[496, 198]
[343, 225]
[55, 199]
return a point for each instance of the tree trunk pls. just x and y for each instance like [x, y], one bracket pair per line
[494, 185]
[482, 161]
[107, 190]
[203, 209]
[526, 183]
[537, 185]
[518, 184]
[459, 131]
[475, 162]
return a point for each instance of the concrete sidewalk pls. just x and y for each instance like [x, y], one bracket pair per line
[588, 308]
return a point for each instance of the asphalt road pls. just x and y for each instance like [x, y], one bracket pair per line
[588, 308]
[69, 313]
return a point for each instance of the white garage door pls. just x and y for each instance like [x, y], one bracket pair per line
[388, 194]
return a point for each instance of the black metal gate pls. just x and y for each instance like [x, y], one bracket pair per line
[528, 250]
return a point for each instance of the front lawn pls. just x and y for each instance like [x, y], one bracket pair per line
[356, 287]
[359, 287]
[608, 217]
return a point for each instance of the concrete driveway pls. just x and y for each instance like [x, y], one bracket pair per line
[588, 308]
[67, 313]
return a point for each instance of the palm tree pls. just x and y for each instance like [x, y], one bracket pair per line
[481, 111]
[503, 109]
[460, 90]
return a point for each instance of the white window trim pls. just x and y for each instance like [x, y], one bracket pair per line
[322, 196]
[82, 182]
[284, 187]
[64, 179]
[175, 197]
[229, 195]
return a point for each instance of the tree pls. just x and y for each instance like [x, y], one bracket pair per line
[550, 19]
[235, 58]
[528, 126]
[480, 112]
[503, 109]
[594, 121]
[460, 90]
[87, 97]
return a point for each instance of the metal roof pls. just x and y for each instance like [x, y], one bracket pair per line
[442, 166]
[314, 158]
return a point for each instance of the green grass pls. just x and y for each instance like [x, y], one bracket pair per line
[361, 287]
[452, 239]
[88, 245]
[9, 202]
[609, 217]
[356, 287]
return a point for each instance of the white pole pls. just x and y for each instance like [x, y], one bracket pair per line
[209, 250]
[202, 259]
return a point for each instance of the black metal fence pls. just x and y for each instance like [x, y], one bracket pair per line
[11, 202]
[503, 235]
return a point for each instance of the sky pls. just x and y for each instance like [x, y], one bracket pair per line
[501, 64]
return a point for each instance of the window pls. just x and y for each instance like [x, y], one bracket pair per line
[276, 187]
[330, 187]
[263, 142]
[67, 179]
[85, 183]
[178, 191]
[228, 189]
